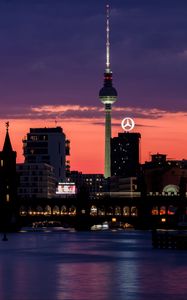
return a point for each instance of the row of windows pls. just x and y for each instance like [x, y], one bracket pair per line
[97, 211]
[64, 210]
[34, 178]
[37, 137]
[34, 167]
[163, 194]
[117, 211]
[34, 188]
[163, 210]
[37, 144]
[36, 151]
[47, 211]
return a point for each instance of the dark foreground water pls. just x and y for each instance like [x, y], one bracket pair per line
[90, 265]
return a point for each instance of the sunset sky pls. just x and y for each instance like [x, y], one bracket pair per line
[52, 59]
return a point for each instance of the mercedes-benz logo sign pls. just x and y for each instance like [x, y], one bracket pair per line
[127, 124]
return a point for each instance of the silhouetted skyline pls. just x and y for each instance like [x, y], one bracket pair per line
[52, 60]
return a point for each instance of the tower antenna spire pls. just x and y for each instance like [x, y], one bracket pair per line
[107, 38]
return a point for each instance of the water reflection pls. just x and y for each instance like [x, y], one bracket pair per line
[78, 266]
[88, 281]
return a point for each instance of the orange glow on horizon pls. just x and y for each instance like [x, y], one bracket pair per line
[164, 135]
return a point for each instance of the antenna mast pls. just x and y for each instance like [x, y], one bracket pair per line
[107, 38]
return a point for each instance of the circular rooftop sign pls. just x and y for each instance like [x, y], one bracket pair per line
[127, 124]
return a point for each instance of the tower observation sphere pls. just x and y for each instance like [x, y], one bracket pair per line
[108, 95]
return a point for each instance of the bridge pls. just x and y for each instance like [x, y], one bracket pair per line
[139, 211]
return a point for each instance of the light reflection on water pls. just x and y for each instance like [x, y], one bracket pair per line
[86, 266]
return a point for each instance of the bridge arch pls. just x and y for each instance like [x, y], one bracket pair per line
[56, 210]
[117, 211]
[64, 210]
[93, 210]
[134, 211]
[126, 211]
[23, 210]
[39, 210]
[155, 210]
[163, 210]
[47, 210]
[110, 211]
[72, 210]
[101, 210]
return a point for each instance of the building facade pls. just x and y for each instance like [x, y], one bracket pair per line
[125, 153]
[167, 177]
[36, 180]
[49, 146]
[94, 183]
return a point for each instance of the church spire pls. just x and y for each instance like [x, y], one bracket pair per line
[7, 143]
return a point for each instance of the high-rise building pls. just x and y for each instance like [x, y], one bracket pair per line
[47, 145]
[107, 95]
[125, 154]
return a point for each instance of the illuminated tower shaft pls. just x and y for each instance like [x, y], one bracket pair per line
[108, 95]
[107, 172]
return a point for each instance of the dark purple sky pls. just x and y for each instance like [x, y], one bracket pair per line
[53, 52]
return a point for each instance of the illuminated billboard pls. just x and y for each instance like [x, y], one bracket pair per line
[66, 188]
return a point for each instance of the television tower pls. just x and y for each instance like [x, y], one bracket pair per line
[108, 95]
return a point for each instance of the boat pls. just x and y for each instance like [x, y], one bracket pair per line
[100, 227]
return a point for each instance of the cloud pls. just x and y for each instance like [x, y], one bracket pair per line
[117, 124]
[78, 112]
[94, 112]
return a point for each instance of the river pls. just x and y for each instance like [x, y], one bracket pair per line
[90, 265]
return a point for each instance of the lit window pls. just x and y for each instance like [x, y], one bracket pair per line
[34, 137]
[155, 210]
[117, 211]
[134, 211]
[162, 210]
[171, 210]
[7, 197]
[93, 210]
[126, 211]
[2, 163]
